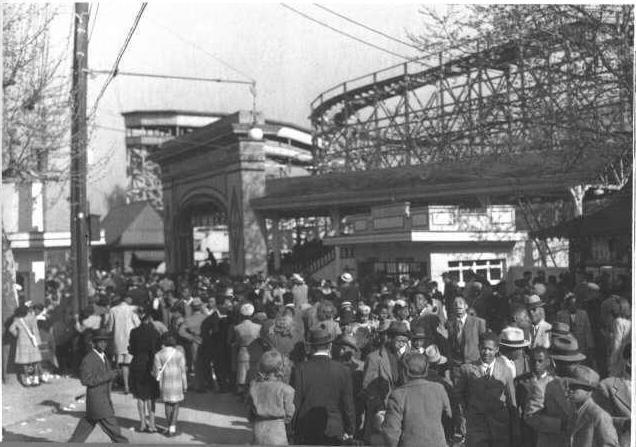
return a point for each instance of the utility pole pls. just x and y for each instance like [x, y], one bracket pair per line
[79, 215]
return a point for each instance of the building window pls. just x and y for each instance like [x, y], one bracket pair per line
[491, 269]
[401, 269]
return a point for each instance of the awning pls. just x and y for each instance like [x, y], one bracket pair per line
[150, 255]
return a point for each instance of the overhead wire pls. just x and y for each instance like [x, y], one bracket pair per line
[90, 34]
[120, 55]
[377, 47]
[197, 46]
[348, 19]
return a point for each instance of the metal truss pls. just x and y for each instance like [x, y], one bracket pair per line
[533, 95]
[145, 179]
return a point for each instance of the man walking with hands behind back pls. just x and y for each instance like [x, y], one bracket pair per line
[97, 375]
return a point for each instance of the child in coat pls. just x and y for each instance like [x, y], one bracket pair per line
[271, 401]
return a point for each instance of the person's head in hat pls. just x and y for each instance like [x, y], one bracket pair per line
[297, 279]
[570, 303]
[534, 304]
[398, 335]
[100, 339]
[382, 311]
[270, 366]
[564, 351]
[540, 361]
[512, 342]
[196, 305]
[460, 307]
[320, 340]
[401, 310]
[364, 313]
[326, 311]
[246, 310]
[521, 318]
[436, 361]
[560, 328]
[488, 347]
[419, 339]
[416, 365]
[345, 348]
[423, 304]
[579, 386]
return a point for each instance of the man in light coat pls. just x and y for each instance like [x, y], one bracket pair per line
[97, 375]
[414, 411]
[540, 329]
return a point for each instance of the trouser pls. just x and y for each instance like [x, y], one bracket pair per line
[222, 367]
[109, 425]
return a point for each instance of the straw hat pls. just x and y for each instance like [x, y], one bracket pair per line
[247, 310]
[346, 277]
[584, 377]
[433, 356]
[513, 337]
[534, 301]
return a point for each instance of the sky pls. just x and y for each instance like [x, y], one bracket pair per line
[291, 58]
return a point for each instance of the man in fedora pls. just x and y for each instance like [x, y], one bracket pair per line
[383, 372]
[325, 414]
[485, 390]
[552, 415]
[512, 347]
[579, 326]
[560, 328]
[414, 410]
[96, 374]
[438, 372]
[540, 329]
[593, 426]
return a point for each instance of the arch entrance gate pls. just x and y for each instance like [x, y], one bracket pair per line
[217, 169]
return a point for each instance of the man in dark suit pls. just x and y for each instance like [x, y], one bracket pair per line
[463, 334]
[325, 414]
[97, 375]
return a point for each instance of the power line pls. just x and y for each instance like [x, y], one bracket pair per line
[113, 71]
[346, 34]
[183, 78]
[367, 27]
[213, 56]
[90, 34]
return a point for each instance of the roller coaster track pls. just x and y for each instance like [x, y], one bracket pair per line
[531, 95]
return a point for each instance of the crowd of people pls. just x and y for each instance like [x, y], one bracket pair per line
[398, 362]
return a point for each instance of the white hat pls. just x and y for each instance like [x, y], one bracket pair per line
[346, 277]
[296, 277]
[247, 310]
[400, 303]
[17, 287]
[513, 337]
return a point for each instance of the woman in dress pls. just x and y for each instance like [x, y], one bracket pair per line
[621, 334]
[171, 373]
[27, 353]
[144, 343]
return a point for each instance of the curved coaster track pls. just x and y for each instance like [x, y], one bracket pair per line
[535, 96]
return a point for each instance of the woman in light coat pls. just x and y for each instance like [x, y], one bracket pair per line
[27, 352]
[170, 370]
[621, 335]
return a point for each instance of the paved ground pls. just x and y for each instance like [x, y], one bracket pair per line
[50, 413]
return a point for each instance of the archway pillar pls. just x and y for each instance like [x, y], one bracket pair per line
[248, 248]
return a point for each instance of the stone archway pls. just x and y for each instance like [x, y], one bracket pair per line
[220, 167]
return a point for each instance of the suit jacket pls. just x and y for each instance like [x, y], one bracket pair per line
[464, 343]
[489, 402]
[323, 400]
[614, 397]
[581, 329]
[378, 372]
[546, 419]
[96, 375]
[593, 427]
[530, 395]
[414, 415]
[542, 336]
